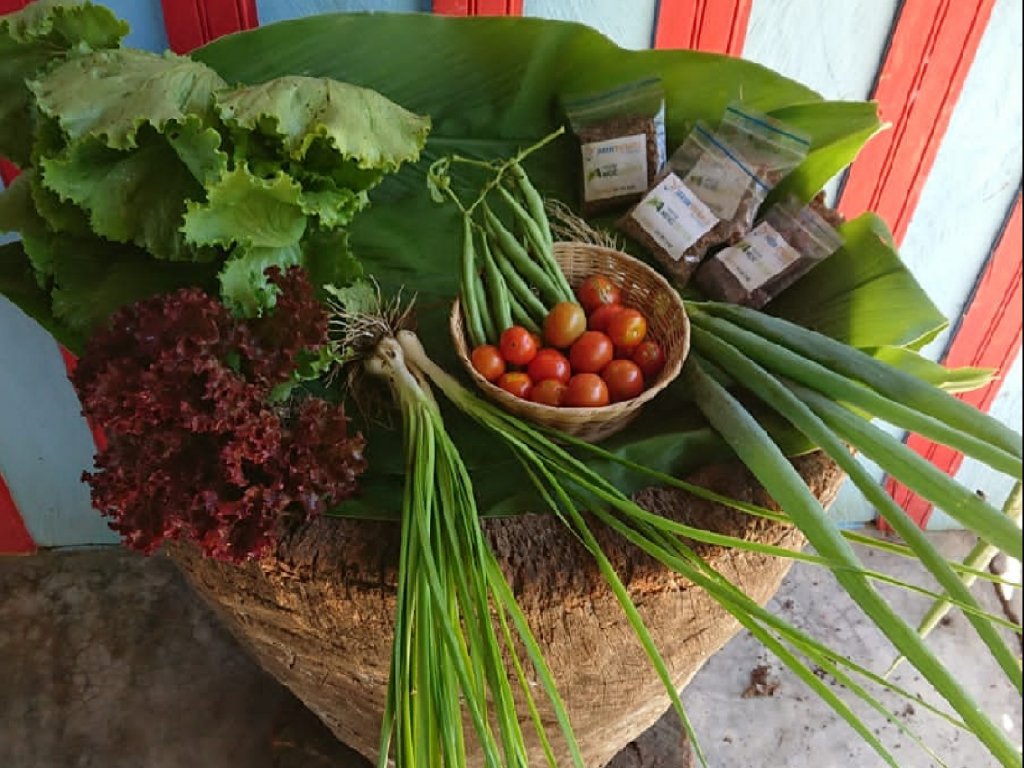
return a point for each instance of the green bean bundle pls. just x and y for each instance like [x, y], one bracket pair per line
[508, 272]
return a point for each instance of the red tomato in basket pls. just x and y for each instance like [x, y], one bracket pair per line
[488, 362]
[518, 346]
[585, 390]
[650, 356]
[624, 378]
[549, 364]
[601, 316]
[596, 290]
[591, 352]
[516, 383]
[564, 324]
[627, 328]
[548, 392]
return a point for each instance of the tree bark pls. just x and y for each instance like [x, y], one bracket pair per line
[319, 613]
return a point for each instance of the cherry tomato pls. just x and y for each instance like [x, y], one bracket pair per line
[548, 392]
[650, 357]
[549, 364]
[627, 328]
[518, 345]
[624, 353]
[488, 362]
[600, 317]
[564, 324]
[585, 390]
[596, 290]
[516, 383]
[591, 352]
[624, 378]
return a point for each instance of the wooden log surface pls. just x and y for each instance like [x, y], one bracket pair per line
[318, 614]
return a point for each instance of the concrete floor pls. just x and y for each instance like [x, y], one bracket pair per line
[108, 660]
[792, 728]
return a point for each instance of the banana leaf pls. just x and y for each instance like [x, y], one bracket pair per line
[491, 86]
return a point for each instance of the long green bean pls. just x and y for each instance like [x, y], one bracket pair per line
[517, 285]
[499, 304]
[468, 275]
[518, 256]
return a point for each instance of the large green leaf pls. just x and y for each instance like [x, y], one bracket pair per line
[863, 295]
[492, 86]
[952, 380]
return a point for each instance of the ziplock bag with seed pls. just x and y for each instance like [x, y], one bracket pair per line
[712, 188]
[622, 142]
[782, 248]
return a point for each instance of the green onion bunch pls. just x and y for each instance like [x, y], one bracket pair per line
[567, 485]
[448, 653]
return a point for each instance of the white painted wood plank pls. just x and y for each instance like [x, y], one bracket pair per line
[629, 25]
[270, 11]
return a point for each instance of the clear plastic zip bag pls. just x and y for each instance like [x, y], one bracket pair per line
[785, 245]
[622, 142]
[712, 187]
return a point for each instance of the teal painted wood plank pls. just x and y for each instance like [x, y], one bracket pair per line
[45, 443]
[146, 21]
[629, 25]
[270, 11]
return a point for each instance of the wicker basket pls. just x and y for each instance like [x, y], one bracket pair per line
[643, 288]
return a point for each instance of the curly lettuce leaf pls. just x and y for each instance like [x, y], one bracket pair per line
[243, 283]
[31, 41]
[331, 205]
[336, 127]
[327, 257]
[18, 284]
[17, 209]
[244, 209]
[111, 95]
[133, 196]
[94, 277]
[18, 214]
[324, 254]
[199, 147]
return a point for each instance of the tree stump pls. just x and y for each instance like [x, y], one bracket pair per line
[319, 613]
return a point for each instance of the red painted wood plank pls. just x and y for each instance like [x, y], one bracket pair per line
[193, 23]
[930, 54]
[478, 7]
[99, 438]
[989, 336]
[719, 26]
[10, 6]
[8, 171]
[14, 536]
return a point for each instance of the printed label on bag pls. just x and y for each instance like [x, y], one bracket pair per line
[615, 167]
[719, 182]
[674, 216]
[760, 256]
